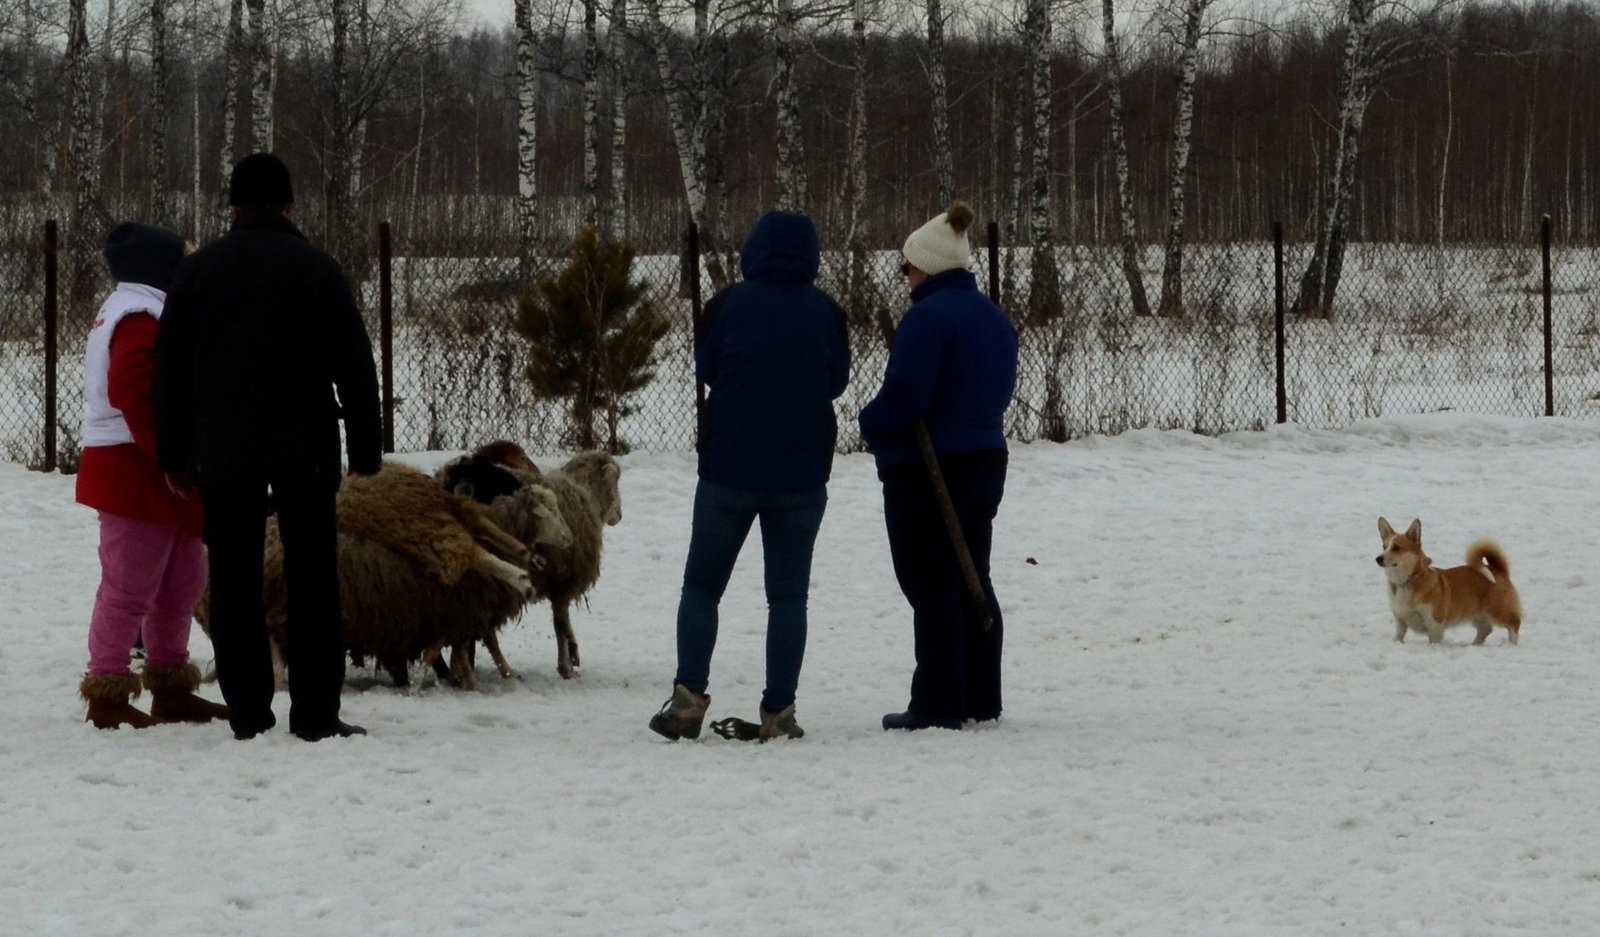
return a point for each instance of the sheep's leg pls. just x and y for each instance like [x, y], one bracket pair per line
[280, 670]
[492, 642]
[433, 657]
[510, 573]
[398, 671]
[462, 673]
[566, 641]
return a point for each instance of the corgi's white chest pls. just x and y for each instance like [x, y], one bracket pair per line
[1400, 600]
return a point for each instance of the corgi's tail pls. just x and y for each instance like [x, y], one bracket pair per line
[1488, 552]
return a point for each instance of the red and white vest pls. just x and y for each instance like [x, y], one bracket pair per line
[103, 424]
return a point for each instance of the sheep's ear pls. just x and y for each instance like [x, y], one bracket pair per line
[464, 488]
[613, 471]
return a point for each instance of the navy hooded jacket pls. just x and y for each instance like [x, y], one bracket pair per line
[954, 364]
[775, 353]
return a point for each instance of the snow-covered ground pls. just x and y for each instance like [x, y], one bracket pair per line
[1208, 728]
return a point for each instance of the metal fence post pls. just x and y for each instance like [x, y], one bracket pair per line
[1277, 319]
[1549, 331]
[386, 329]
[994, 262]
[692, 271]
[51, 321]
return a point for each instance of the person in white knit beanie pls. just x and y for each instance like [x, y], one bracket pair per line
[951, 374]
[941, 244]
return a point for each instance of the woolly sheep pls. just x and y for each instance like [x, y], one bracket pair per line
[589, 499]
[419, 568]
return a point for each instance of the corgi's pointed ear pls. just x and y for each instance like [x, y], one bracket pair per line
[1414, 532]
[1384, 530]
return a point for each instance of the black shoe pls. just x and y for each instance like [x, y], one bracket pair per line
[250, 728]
[910, 722]
[339, 729]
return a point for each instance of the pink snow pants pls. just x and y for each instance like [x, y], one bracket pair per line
[151, 576]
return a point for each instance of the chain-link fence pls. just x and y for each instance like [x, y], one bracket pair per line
[1413, 329]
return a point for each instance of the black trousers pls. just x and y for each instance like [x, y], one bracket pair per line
[958, 662]
[236, 517]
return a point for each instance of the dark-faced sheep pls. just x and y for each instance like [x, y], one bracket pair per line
[589, 499]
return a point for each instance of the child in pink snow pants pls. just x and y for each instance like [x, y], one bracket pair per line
[152, 562]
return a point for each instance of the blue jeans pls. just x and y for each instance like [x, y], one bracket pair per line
[722, 520]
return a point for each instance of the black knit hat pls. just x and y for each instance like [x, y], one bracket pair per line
[142, 253]
[260, 180]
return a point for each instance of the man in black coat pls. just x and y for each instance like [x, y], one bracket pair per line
[260, 332]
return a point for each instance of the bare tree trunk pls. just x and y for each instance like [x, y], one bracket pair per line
[943, 146]
[155, 205]
[1119, 148]
[1444, 156]
[1044, 293]
[337, 167]
[1182, 139]
[261, 130]
[694, 117]
[619, 118]
[855, 178]
[26, 91]
[82, 144]
[527, 140]
[102, 93]
[1357, 84]
[196, 234]
[791, 154]
[591, 114]
[1016, 216]
[233, 51]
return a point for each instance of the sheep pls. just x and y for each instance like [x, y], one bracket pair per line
[589, 499]
[419, 567]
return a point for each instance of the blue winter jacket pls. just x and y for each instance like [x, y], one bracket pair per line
[954, 364]
[774, 352]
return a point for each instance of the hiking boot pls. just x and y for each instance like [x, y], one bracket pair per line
[682, 715]
[911, 722]
[338, 730]
[780, 725]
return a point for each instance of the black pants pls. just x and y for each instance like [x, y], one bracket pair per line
[235, 532]
[958, 662]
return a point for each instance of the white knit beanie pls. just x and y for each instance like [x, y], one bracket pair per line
[941, 244]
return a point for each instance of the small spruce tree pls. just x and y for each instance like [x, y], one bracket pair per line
[591, 337]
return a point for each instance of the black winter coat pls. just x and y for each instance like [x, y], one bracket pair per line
[259, 332]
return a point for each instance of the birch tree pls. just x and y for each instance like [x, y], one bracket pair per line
[1118, 134]
[233, 51]
[1182, 143]
[591, 114]
[1362, 66]
[1044, 292]
[24, 90]
[618, 41]
[527, 139]
[261, 73]
[791, 153]
[83, 144]
[943, 145]
[694, 114]
[155, 196]
[856, 171]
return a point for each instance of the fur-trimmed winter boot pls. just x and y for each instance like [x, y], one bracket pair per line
[172, 697]
[108, 696]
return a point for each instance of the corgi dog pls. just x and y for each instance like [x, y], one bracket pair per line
[1430, 600]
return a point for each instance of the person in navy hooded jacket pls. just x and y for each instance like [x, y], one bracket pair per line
[953, 367]
[775, 353]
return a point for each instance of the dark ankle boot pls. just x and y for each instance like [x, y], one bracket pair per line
[107, 696]
[173, 698]
[910, 722]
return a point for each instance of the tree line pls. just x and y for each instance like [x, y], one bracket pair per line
[1066, 121]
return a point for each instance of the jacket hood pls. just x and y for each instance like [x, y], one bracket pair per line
[782, 246]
